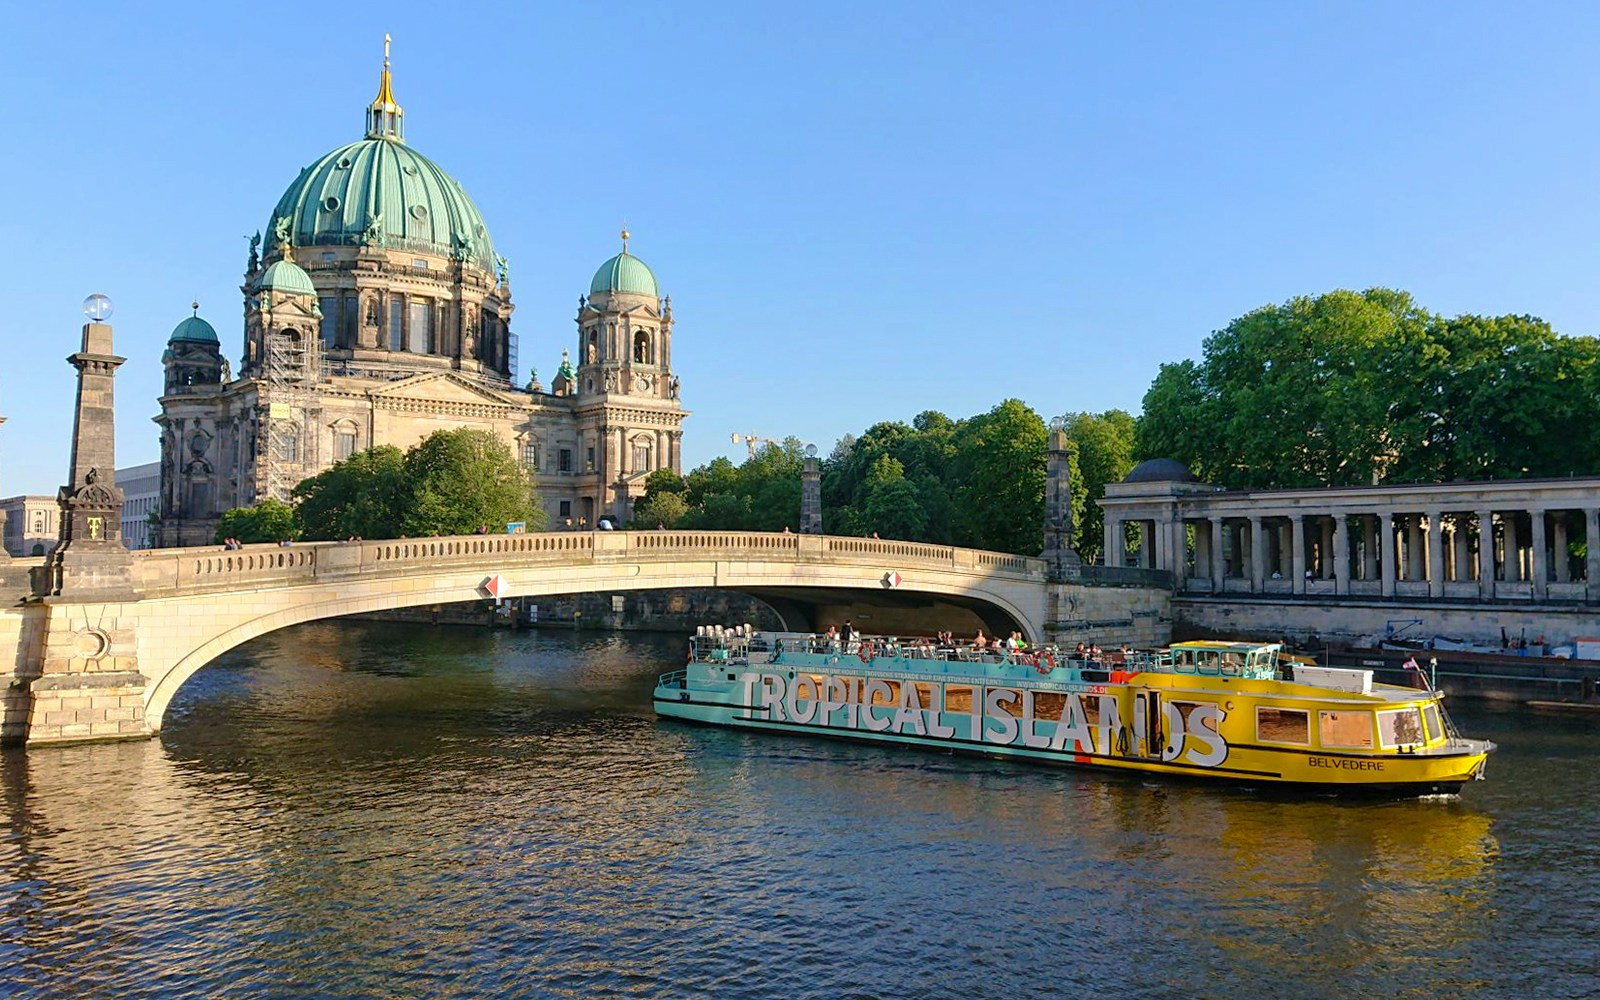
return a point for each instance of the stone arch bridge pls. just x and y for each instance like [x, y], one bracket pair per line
[109, 669]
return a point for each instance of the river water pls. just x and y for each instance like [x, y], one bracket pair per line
[375, 810]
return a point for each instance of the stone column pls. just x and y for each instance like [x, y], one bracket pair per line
[810, 497]
[1258, 555]
[1463, 555]
[1219, 556]
[1558, 548]
[1326, 549]
[1386, 535]
[1369, 548]
[1113, 540]
[1415, 567]
[1485, 554]
[1591, 563]
[1435, 553]
[1538, 561]
[1297, 550]
[1058, 527]
[1511, 557]
[1146, 557]
[1341, 555]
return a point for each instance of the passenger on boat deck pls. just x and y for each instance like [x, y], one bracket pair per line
[831, 637]
[847, 633]
[980, 641]
[1081, 653]
[1016, 641]
[1095, 655]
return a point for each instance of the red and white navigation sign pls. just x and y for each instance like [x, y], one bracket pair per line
[496, 586]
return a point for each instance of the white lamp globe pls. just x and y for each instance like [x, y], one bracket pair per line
[97, 307]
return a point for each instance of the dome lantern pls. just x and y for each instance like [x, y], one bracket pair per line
[385, 118]
[624, 273]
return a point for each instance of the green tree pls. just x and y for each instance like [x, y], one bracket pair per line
[891, 506]
[1105, 455]
[1317, 391]
[999, 470]
[663, 501]
[459, 480]
[267, 521]
[361, 496]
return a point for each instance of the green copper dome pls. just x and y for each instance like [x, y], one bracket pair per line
[196, 329]
[624, 273]
[381, 192]
[288, 277]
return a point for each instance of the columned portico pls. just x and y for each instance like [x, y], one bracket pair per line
[1401, 543]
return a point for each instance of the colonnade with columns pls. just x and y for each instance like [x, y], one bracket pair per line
[1524, 540]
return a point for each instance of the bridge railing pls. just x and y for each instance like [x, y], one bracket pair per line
[170, 572]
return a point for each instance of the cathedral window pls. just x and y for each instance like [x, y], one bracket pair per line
[641, 348]
[419, 338]
[397, 322]
[588, 460]
[344, 444]
[565, 509]
[530, 455]
[38, 522]
[641, 458]
[347, 322]
[564, 460]
[330, 321]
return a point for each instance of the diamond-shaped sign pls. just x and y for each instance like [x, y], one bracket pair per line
[891, 579]
[496, 586]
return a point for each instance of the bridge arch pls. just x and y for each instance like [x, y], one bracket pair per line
[203, 603]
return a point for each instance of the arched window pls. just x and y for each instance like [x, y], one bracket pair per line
[38, 522]
[641, 347]
[641, 455]
[530, 454]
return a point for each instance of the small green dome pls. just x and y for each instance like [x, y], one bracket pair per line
[624, 273]
[288, 277]
[196, 329]
[381, 192]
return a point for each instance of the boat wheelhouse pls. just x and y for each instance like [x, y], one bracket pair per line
[1231, 711]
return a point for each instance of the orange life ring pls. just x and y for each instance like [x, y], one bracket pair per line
[865, 652]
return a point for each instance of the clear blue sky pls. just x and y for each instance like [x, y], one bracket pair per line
[860, 211]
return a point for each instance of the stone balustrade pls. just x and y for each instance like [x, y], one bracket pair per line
[176, 572]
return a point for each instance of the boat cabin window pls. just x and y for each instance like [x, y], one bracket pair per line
[891, 697]
[1048, 706]
[1346, 729]
[1283, 725]
[1401, 727]
[1430, 713]
[957, 698]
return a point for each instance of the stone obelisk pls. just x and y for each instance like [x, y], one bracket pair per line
[1058, 550]
[90, 562]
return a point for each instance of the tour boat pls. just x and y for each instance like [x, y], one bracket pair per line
[1230, 711]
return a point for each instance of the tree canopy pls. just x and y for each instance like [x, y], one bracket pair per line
[1348, 388]
[977, 482]
[267, 521]
[450, 483]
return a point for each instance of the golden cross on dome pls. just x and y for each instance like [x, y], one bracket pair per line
[624, 237]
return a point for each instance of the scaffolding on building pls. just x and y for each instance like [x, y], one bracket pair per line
[291, 368]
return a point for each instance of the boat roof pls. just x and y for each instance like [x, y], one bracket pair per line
[1226, 647]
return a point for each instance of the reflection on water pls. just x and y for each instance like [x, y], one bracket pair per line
[376, 810]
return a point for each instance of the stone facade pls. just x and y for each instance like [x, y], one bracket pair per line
[31, 525]
[378, 313]
[141, 496]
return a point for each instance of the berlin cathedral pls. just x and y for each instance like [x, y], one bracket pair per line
[378, 312]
